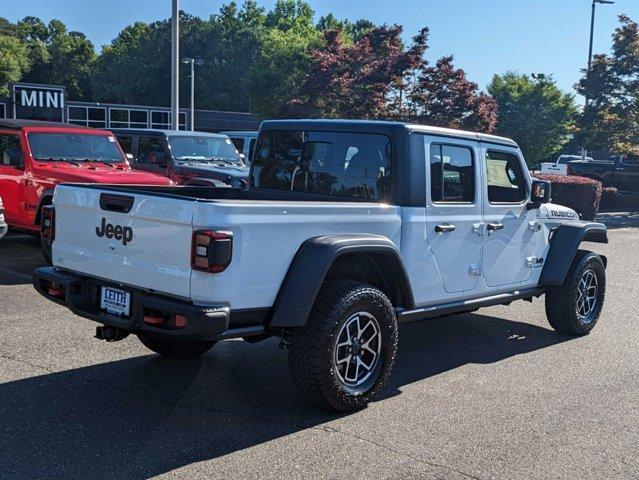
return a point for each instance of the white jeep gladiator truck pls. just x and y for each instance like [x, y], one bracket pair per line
[347, 229]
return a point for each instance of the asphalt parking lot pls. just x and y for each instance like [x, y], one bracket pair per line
[495, 394]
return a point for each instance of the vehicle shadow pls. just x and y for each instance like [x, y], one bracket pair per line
[20, 255]
[143, 416]
[619, 220]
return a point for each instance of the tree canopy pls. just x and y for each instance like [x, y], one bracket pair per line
[283, 62]
[533, 112]
[611, 117]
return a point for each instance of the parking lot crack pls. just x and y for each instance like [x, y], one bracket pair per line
[26, 362]
[397, 451]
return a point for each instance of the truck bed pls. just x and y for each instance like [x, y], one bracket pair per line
[155, 250]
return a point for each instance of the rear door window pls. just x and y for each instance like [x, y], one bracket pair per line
[151, 151]
[452, 175]
[355, 165]
[10, 149]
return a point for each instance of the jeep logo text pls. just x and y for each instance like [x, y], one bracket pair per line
[108, 230]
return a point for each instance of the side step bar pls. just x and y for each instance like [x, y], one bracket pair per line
[409, 316]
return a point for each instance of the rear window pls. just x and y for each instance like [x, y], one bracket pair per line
[354, 165]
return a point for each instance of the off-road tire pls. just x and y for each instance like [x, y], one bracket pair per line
[561, 301]
[45, 245]
[312, 347]
[175, 348]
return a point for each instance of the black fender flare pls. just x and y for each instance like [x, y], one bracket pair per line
[564, 243]
[46, 194]
[311, 264]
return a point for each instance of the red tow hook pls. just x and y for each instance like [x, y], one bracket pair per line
[56, 290]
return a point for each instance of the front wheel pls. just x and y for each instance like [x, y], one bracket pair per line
[342, 358]
[175, 348]
[574, 307]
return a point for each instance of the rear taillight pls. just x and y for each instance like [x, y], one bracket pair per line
[211, 251]
[47, 222]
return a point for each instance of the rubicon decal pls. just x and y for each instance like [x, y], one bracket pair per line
[108, 230]
[562, 214]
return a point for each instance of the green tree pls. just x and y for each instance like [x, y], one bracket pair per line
[610, 119]
[14, 61]
[534, 112]
[56, 55]
[284, 58]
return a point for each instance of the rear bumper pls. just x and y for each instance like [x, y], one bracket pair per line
[81, 295]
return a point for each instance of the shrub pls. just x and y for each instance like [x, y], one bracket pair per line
[581, 194]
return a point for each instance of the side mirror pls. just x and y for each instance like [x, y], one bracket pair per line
[541, 190]
[243, 157]
[129, 156]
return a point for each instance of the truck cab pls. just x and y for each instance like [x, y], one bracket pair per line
[621, 172]
[188, 158]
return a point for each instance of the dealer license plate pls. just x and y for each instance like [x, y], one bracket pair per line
[115, 301]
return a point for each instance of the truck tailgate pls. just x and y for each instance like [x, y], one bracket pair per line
[125, 236]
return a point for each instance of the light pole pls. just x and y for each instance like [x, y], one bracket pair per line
[193, 62]
[592, 29]
[175, 65]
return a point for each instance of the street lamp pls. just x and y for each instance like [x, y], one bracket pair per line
[193, 62]
[592, 29]
[175, 65]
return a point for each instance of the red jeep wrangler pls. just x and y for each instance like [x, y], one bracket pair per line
[36, 156]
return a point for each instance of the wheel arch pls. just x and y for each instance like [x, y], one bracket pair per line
[370, 258]
[46, 199]
[564, 243]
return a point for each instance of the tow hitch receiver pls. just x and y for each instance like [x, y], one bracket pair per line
[110, 334]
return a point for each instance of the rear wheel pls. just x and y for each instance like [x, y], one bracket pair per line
[342, 358]
[574, 307]
[175, 348]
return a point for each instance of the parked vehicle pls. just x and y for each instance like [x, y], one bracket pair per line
[3, 224]
[36, 156]
[347, 229]
[188, 158]
[619, 172]
[560, 167]
[244, 142]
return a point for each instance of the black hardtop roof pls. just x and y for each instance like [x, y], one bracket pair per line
[20, 123]
[380, 126]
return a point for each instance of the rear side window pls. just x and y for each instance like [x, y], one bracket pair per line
[151, 151]
[505, 178]
[354, 165]
[452, 174]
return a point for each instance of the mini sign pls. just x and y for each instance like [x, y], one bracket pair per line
[38, 97]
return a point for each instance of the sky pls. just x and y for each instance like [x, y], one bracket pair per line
[485, 36]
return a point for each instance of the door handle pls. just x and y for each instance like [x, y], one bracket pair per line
[444, 228]
[491, 227]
